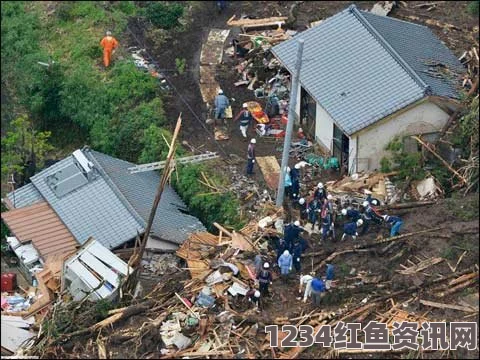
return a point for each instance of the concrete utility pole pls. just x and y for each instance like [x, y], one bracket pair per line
[291, 119]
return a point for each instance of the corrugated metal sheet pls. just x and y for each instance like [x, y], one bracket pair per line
[417, 45]
[94, 210]
[40, 224]
[171, 223]
[25, 196]
[351, 72]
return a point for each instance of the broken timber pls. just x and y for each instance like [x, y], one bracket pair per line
[447, 306]
[253, 23]
[183, 160]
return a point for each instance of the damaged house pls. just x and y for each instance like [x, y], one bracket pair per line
[367, 78]
[90, 194]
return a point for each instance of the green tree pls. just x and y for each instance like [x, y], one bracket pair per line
[24, 149]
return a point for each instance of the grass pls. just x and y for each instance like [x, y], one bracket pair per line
[464, 208]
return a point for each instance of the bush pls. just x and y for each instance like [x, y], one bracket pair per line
[165, 16]
[209, 208]
[180, 65]
[385, 165]
[407, 164]
[473, 8]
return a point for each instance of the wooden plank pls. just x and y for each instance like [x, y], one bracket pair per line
[249, 23]
[102, 253]
[447, 306]
[270, 169]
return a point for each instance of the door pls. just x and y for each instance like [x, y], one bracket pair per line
[308, 113]
[341, 144]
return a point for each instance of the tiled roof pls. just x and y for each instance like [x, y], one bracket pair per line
[40, 224]
[359, 78]
[25, 196]
[114, 205]
[91, 210]
[171, 221]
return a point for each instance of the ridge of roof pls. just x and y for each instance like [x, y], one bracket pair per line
[115, 189]
[394, 54]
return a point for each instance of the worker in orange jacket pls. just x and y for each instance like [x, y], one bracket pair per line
[109, 43]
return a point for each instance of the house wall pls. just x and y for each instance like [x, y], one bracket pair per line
[352, 154]
[324, 128]
[426, 117]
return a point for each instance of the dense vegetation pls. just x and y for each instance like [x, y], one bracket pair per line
[55, 84]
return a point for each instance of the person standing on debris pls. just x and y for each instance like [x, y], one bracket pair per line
[258, 261]
[320, 193]
[109, 44]
[295, 176]
[264, 278]
[351, 214]
[326, 226]
[313, 209]
[254, 296]
[329, 277]
[318, 288]
[302, 204]
[251, 156]
[221, 5]
[395, 222]
[297, 251]
[371, 200]
[285, 263]
[221, 104]
[288, 183]
[307, 281]
[350, 229]
[368, 216]
[245, 119]
[291, 232]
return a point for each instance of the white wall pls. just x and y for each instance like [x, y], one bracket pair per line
[352, 154]
[323, 128]
[426, 117]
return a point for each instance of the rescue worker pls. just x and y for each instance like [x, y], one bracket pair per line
[326, 226]
[302, 204]
[371, 200]
[320, 192]
[253, 296]
[221, 104]
[318, 288]
[245, 119]
[251, 156]
[299, 246]
[285, 264]
[395, 222]
[288, 183]
[258, 263]
[351, 229]
[313, 209]
[109, 44]
[329, 277]
[351, 214]
[368, 216]
[264, 278]
[295, 176]
[307, 281]
[282, 246]
[291, 233]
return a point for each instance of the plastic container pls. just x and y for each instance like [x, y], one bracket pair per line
[9, 282]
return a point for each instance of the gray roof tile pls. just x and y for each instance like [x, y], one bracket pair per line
[25, 196]
[171, 223]
[351, 72]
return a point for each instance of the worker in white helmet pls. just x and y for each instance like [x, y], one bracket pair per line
[245, 119]
[288, 183]
[254, 296]
[320, 193]
[221, 103]
[264, 278]
[351, 229]
[302, 206]
[295, 176]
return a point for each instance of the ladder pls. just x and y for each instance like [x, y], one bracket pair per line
[183, 160]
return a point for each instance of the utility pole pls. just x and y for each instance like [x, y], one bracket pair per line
[291, 119]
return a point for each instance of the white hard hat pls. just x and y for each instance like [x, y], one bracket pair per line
[297, 166]
[108, 33]
[359, 222]
[301, 201]
[300, 129]
[329, 197]
[365, 203]
[320, 185]
[344, 212]
[220, 91]
[296, 223]
[286, 252]
[374, 202]
[257, 294]
[244, 105]
[385, 217]
[253, 141]
[266, 265]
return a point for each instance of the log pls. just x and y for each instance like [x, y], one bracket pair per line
[446, 306]
[455, 172]
[408, 205]
[456, 288]
[463, 278]
[221, 228]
